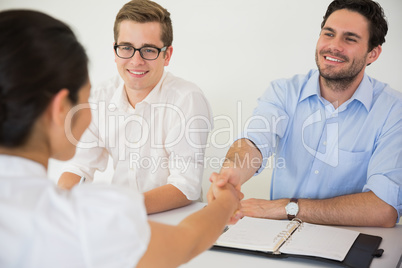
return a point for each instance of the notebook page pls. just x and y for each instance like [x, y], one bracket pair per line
[321, 241]
[253, 234]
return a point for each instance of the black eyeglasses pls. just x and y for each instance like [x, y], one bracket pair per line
[147, 53]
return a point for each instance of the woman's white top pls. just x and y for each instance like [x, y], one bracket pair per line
[92, 225]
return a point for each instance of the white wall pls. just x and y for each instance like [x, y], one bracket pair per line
[232, 49]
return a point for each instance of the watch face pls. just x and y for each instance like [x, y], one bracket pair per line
[292, 208]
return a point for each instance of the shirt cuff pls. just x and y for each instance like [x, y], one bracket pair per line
[79, 172]
[386, 190]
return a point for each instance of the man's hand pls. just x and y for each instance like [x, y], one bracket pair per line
[242, 161]
[261, 208]
[229, 192]
[227, 175]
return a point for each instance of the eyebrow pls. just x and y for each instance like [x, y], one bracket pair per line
[346, 33]
[125, 44]
[143, 45]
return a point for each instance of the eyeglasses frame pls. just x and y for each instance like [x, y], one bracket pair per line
[163, 49]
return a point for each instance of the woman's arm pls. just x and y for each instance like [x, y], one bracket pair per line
[171, 246]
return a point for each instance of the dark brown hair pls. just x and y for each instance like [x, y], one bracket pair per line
[39, 56]
[378, 26]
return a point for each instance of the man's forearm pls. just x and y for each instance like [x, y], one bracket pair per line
[164, 198]
[244, 157]
[68, 180]
[361, 209]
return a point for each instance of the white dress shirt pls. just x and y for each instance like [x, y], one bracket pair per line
[89, 226]
[162, 141]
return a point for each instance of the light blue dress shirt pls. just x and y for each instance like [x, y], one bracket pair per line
[321, 152]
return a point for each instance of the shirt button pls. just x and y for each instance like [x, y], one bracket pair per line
[324, 143]
[316, 172]
[112, 107]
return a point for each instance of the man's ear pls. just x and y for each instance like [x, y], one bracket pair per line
[168, 55]
[114, 51]
[374, 54]
[59, 107]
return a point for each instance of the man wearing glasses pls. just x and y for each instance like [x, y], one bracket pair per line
[153, 125]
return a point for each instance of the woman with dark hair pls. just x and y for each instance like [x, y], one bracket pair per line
[43, 77]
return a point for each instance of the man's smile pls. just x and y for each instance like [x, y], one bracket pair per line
[332, 59]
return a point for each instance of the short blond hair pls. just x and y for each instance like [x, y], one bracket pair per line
[145, 11]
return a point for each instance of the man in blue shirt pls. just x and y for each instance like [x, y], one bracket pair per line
[335, 134]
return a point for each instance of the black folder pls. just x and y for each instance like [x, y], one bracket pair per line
[360, 254]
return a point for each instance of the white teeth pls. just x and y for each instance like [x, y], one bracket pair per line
[137, 73]
[332, 59]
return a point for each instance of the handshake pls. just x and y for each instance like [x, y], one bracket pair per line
[226, 184]
[242, 162]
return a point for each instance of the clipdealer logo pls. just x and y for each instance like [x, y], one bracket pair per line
[114, 127]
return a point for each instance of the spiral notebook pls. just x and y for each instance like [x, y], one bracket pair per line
[275, 238]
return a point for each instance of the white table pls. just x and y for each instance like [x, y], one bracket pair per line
[391, 243]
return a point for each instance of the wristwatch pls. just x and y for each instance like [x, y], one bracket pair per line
[292, 208]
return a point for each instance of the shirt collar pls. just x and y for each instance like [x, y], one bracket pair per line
[152, 97]
[19, 166]
[363, 94]
[311, 88]
[120, 99]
